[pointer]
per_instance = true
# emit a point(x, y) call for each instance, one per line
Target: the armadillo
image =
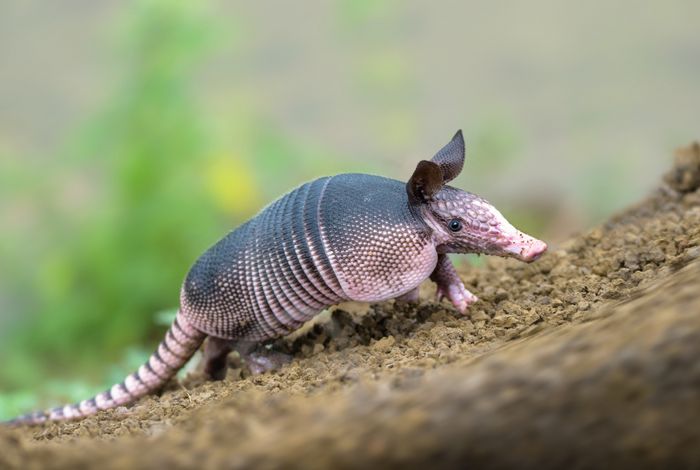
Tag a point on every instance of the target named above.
point(349, 237)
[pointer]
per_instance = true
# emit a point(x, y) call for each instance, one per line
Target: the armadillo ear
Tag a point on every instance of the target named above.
point(450, 158)
point(425, 182)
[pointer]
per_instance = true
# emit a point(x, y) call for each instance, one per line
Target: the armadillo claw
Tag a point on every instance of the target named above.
point(458, 295)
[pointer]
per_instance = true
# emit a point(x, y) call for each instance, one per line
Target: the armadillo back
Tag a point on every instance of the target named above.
point(379, 246)
point(333, 239)
point(268, 276)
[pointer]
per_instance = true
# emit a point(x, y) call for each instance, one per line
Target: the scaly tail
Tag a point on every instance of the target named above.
point(181, 342)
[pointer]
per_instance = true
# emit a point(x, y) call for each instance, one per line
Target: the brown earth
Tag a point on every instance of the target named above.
point(588, 357)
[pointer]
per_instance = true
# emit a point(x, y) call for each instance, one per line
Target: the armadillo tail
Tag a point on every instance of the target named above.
point(181, 342)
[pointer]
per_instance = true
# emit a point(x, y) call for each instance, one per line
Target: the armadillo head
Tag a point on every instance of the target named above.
point(463, 222)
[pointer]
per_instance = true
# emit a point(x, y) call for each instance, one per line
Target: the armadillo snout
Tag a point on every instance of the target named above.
point(526, 248)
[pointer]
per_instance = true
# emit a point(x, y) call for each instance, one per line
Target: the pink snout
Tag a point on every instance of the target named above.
point(534, 250)
point(526, 248)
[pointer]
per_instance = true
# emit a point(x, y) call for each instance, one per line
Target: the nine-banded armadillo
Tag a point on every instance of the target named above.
point(346, 237)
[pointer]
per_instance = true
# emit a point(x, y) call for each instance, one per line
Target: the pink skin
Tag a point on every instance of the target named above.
point(458, 295)
point(450, 286)
point(483, 230)
point(525, 248)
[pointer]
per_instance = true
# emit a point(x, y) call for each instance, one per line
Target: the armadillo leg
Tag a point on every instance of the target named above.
point(259, 358)
point(216, 351)
point(450, 286)
point(411, 297)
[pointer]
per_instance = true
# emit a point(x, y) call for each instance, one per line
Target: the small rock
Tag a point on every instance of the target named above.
point(531, 317)
point(631, 261)
point(501, 295)
point(656, 255)
point(466, 326)
point(506, 321)
point(685, 175)
point(385, 344)
point(479, 315)
point(557, 303)
point(692, 253)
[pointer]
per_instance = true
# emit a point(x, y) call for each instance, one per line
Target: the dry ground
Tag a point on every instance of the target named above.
point(587, 357)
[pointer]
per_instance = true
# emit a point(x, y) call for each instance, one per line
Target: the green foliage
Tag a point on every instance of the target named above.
point(145, 215)
point(119, 217)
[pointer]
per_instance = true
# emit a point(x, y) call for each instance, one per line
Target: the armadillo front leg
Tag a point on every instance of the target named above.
point(450, 285)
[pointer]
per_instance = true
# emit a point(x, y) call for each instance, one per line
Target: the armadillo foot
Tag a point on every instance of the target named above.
point(450, 285)
point(264, 360)
point(258, 358)
point(458, 295)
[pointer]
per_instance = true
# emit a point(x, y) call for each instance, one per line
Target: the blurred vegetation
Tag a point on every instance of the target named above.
point(146, 211)
point(144, 189)
point(150, 182)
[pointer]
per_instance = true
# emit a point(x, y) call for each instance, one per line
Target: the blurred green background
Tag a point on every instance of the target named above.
point(134, 134)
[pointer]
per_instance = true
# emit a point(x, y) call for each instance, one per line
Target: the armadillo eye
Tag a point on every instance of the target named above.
point(455, 225)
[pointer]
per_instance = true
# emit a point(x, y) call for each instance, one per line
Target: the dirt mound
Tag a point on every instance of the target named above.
point(519, 381)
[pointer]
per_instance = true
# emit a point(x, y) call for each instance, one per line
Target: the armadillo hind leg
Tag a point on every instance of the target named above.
point(215, 361)
point(411, 297)
point(179, 345)
point(450, 286)
point(262, 359)
point(258, 357)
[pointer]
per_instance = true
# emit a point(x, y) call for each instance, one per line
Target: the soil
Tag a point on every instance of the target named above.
point(587, 357)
